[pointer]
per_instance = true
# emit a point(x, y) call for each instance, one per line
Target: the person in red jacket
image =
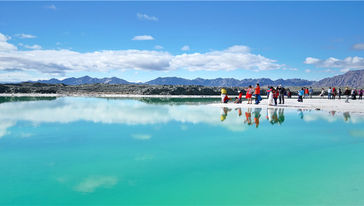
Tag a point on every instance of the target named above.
point(306, 92)
point(275, 96)
point(257, 94)
point(240, 98)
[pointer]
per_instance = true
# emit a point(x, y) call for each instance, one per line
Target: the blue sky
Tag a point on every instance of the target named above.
point(309, 40)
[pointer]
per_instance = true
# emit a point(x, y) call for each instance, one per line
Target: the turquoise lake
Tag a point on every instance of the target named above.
point(150, 151)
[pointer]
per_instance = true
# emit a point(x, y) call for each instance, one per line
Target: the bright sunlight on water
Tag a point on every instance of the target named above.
point(73, 150)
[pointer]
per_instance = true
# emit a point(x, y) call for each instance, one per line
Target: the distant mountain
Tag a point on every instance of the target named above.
point(350, 78)
point(85, 80)
point(227, 82)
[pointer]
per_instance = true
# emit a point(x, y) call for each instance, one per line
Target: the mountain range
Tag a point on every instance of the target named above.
point(351, 78)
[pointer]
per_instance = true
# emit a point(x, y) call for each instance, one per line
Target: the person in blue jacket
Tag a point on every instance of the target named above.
point(300, 95)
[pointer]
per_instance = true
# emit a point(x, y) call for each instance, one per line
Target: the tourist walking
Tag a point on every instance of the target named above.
point(329, 93)
point(249, 93)
point(281, 91)
point(310, 92)
point(258, 98)
point(300, 95)
point(347, 94)
point(322, 94)
point(340, 93)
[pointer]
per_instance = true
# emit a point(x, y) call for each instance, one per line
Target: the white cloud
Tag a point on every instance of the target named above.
point(146, 17)
point(359, 46)
point(236, 57)
point(158, 47)
point(90, 184)
point(143, 38)
point(343, 64)
point(4, 45)
point(25, 36)
point(185, 48)
point(52, 7)
point(66, 61)
point(308, 70)
point(141, 136)
point(35, 46)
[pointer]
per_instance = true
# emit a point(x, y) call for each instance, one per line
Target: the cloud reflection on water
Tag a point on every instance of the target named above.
point(132, 112)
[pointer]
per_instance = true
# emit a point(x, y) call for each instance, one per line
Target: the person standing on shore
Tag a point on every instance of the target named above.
point(333, 93)
point(289, 94)
point(240, 98)
point(347, 94)
point(224, 96)
point(300, 95)
point(305, 92)
point(329, 93)
point(353, 94)
point(257, 94)
point(275, 96)
point(310, 92)
point(249, 93)
point(361, 94)
point(281, 91)
point(340, 93)
point(322, 94)
point(270, 96)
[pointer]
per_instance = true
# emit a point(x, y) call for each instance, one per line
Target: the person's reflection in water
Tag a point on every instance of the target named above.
point(346, 116)
point(300, 113)
point(224, 112)
point(257, 116)
point(239, 111)
point(332, 113)
point(280, 115)
point(272, 115)
point(248, 116)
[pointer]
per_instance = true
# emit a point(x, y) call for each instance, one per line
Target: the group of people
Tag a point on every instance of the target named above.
point(332, 92)
point(250, 91)
point(304, 92)
point(275, 94)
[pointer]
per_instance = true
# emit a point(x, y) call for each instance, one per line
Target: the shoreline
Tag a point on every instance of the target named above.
point(339, 105)
point(106, 95)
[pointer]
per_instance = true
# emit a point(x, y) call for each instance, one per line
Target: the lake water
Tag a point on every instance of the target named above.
point(58, 151)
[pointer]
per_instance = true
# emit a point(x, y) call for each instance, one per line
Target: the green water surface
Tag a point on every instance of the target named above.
point(95, 151)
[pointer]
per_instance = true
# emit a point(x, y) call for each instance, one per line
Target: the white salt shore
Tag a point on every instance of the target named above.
point(354, 106)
